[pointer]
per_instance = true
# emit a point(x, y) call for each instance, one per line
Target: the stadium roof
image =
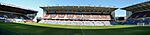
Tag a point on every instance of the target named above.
point(144, 6)
point(80, 8)
point(9, 8)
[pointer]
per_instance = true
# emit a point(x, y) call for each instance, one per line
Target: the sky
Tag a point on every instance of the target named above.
point(36, 4)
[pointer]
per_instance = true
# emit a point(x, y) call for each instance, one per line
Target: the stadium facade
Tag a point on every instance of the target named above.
point(78, 15)
point(140, 13)
point(12, 13)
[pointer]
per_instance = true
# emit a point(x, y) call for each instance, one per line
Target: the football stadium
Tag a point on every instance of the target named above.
point(74, 20)
point(140, 14)
point(78, 15)
point(10, 13)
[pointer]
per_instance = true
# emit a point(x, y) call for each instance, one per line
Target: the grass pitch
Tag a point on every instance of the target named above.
point(79, 27)
point(49, 29)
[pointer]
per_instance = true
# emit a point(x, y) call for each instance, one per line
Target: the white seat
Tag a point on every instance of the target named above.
point(77, 23)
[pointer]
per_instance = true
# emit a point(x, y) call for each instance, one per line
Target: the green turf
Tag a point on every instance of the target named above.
point(79, 27)
point(46, 29)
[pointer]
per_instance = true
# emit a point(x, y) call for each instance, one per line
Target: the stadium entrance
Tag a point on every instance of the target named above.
point(78, 15)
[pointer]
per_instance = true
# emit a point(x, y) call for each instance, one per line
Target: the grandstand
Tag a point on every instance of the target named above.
point(78, 15)
point(15, 14)
point(141, 13)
